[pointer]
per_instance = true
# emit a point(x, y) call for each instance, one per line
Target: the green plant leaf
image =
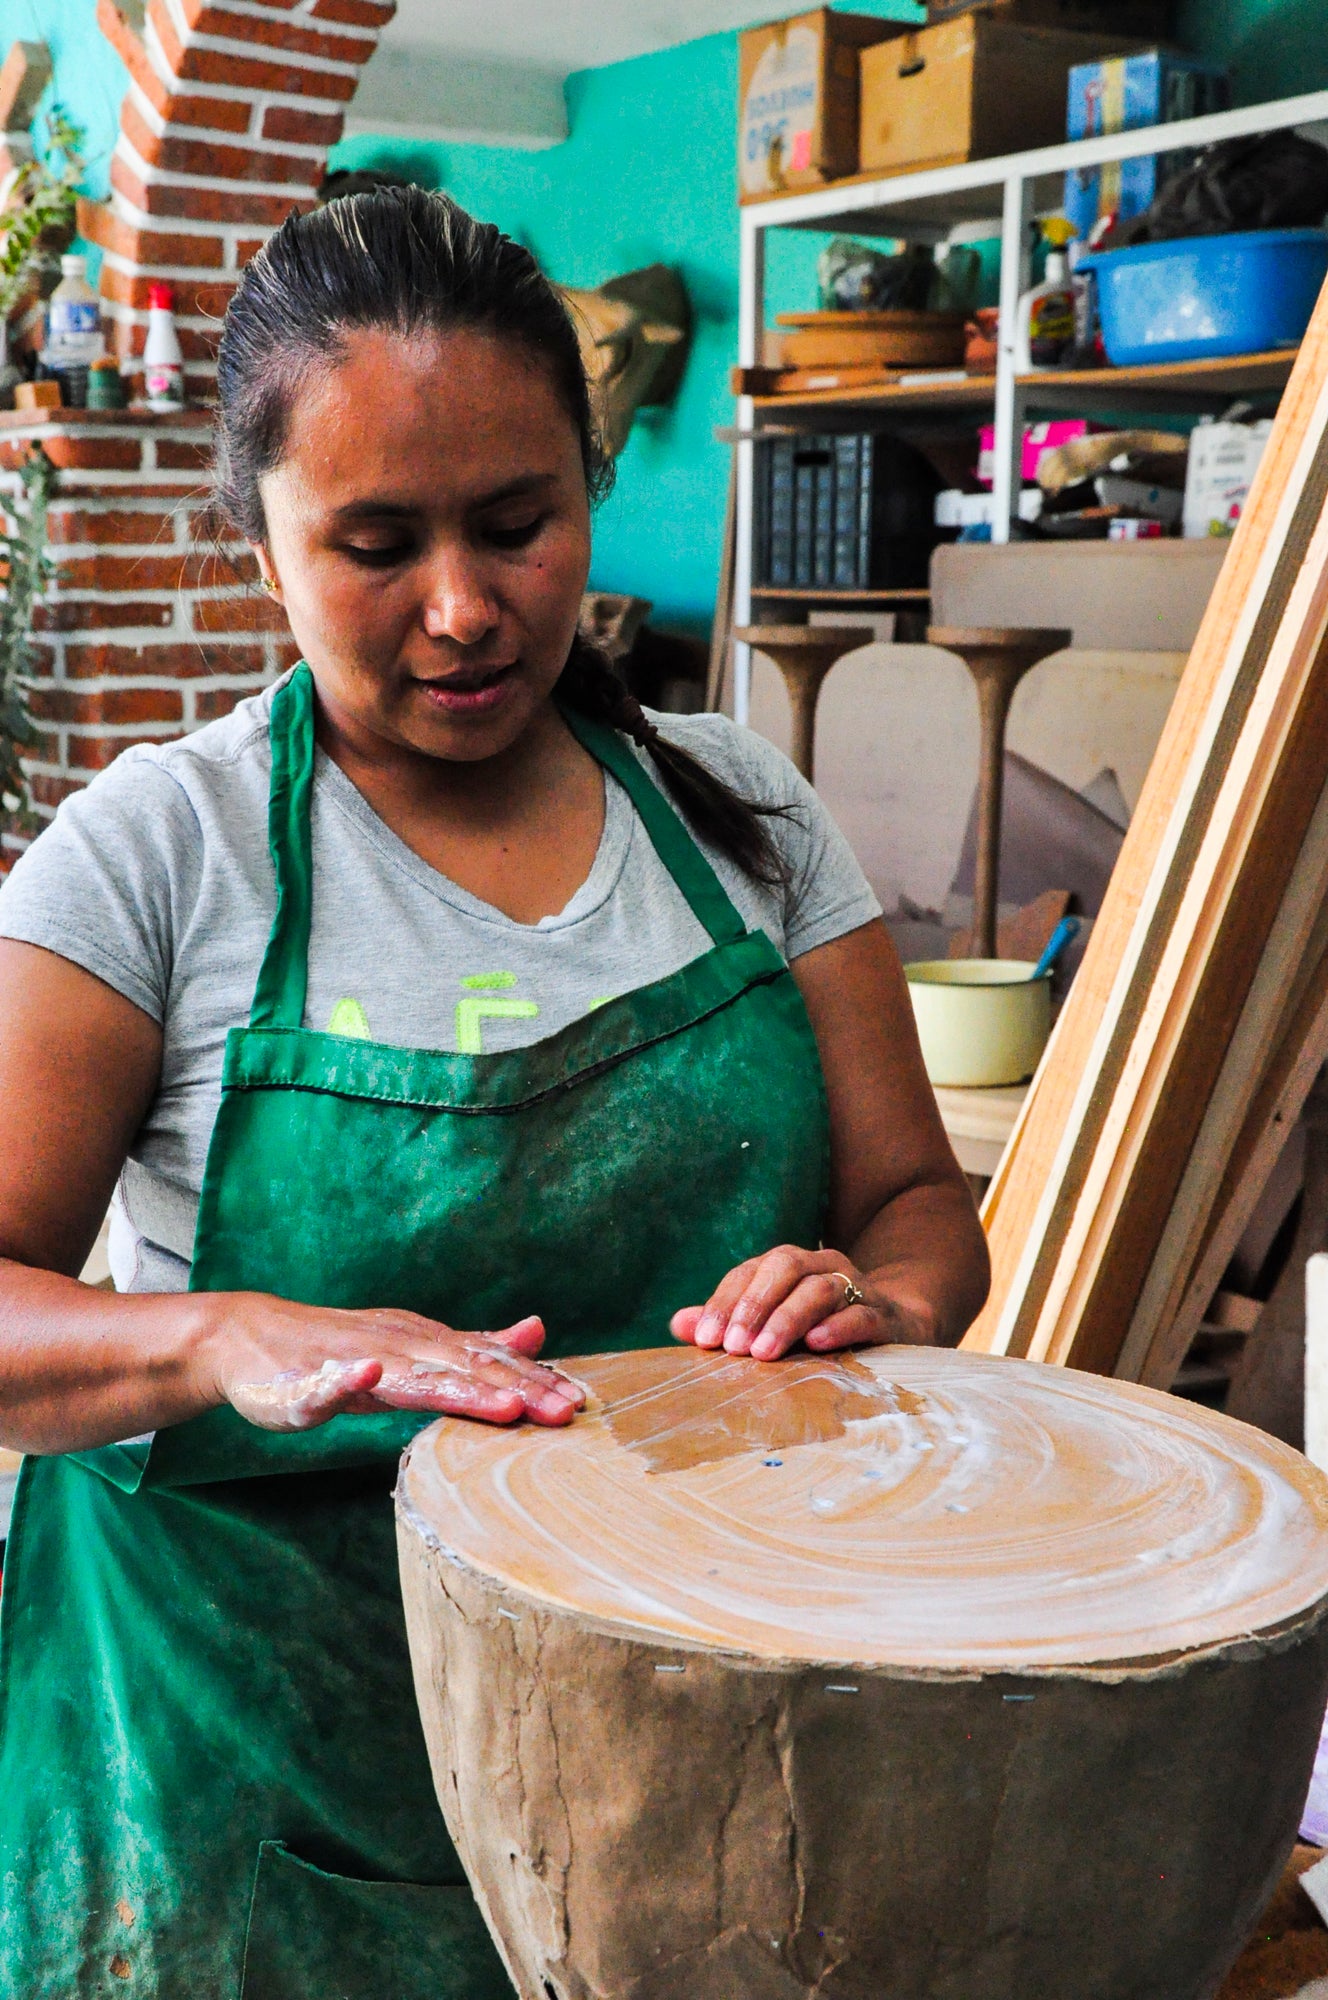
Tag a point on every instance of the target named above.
point(29, 572)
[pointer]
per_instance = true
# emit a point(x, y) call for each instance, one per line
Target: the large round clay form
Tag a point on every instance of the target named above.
point(914, 1676)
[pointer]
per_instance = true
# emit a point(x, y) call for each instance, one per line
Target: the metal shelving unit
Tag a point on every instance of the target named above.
point(928, 207)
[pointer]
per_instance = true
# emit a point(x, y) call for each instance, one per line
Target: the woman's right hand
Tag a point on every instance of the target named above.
point(289, 1367)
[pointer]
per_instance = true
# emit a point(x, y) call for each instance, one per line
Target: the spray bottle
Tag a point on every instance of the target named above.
point(1044, 333)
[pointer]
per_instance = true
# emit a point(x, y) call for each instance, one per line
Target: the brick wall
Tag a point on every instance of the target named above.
point(225, 129)
point(148, 632)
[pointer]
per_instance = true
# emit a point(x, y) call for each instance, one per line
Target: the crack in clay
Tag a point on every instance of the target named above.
point(830, 1971)
point(725, 1406)
point(563, 1868)
point(782, 1743)
point(727, 1811)
point(523, 1715)
point(750, 1731)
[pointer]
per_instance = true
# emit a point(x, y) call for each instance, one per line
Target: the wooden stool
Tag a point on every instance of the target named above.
point(804, 655)
point(998, 659)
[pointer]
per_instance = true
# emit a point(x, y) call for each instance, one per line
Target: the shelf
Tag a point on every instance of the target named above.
point(63, 418)
point(1182, 386)
point(942, 202)
point(783, 594)
point(975, 392)
point(1186, 387)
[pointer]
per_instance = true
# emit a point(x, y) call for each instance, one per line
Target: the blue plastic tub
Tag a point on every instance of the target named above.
point(1205, 296)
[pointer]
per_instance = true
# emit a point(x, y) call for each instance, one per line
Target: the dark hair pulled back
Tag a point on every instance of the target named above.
point(405, 260)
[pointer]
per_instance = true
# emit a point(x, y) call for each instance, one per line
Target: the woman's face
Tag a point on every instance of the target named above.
point(428, 531)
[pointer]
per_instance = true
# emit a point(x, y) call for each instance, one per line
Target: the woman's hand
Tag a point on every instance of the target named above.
point(288, 1367)
point(767, 1305)
point(899, 1203)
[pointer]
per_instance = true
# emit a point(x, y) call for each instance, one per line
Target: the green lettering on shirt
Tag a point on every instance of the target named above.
point(349, 1018)
point(471, 1011)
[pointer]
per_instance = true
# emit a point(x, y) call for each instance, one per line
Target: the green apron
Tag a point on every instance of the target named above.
point(213, 1781)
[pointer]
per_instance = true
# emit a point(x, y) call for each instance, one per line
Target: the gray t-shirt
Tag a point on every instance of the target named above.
point(157, 879)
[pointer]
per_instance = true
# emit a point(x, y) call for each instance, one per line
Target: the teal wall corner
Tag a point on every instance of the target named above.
point(1273, 48)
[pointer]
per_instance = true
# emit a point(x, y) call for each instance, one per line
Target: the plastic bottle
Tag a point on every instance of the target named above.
point(74, 338)
point(1045, 330)
point(1088, 349)
point(73, 320)
point(163, 363)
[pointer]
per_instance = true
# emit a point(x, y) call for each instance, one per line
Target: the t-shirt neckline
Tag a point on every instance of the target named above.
point(331, 783)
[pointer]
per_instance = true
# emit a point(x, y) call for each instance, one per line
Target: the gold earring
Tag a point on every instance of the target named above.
point(269, 584)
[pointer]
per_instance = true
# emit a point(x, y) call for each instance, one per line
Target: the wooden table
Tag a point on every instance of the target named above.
point(978, 1123)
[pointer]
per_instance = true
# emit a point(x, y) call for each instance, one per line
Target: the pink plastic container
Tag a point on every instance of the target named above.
point(1037, 439)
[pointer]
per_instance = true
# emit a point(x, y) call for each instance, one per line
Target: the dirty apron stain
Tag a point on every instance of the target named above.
point(213, 1781)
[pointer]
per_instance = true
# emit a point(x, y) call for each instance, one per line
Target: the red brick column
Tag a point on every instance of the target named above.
point(224, 130)
point(149, 632)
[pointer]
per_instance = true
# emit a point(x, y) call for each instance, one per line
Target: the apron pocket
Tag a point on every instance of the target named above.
point(314, 1936)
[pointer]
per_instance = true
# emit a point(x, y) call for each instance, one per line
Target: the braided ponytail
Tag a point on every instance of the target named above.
point(715, 811)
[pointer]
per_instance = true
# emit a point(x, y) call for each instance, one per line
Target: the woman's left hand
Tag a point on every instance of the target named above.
point(769, 1304)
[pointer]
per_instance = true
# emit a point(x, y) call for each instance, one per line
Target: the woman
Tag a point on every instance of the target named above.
point(524, 1052)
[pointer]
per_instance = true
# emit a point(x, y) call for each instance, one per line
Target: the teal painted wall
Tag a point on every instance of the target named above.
point(89, 77)
point(630, 186)
point(648, 175)
point(1274, 48)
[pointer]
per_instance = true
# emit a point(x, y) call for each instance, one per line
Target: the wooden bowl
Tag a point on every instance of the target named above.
point(909, 1676)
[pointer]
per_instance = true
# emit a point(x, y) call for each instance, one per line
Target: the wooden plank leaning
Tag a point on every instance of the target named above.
point(1199, 959)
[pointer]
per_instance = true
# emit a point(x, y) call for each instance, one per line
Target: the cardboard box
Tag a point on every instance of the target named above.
point(1147, 19)
point(798, 100)
point(1120, 94)
point(1223, 461)
point(968, 90)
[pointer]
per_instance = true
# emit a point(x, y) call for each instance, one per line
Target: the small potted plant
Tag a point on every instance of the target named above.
point(37, 220)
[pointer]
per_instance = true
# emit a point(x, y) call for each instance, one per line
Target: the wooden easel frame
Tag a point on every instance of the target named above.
point(1200, 1010)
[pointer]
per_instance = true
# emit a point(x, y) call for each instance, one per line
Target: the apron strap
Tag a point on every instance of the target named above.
point(280, 993)
point(709, 901)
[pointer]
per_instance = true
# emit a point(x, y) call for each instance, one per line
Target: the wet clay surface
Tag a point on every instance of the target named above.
point(682, 1418)
point(901, 1507)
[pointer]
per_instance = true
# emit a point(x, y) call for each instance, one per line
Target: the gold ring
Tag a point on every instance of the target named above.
point(852, 1295)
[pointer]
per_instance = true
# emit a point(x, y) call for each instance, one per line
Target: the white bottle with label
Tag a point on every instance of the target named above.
point(163, 363)
point(74, 337)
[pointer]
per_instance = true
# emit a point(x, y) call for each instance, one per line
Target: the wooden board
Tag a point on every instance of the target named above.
point(1208, 872)
point(866, 347)
point(682, 1665)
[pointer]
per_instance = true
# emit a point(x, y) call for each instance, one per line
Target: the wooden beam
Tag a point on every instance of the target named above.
point(1078, 1212)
